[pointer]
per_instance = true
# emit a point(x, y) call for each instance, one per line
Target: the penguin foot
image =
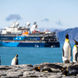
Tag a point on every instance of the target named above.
point(67, 61)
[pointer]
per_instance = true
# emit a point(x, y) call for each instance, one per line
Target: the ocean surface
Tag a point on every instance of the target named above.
point(30, 55)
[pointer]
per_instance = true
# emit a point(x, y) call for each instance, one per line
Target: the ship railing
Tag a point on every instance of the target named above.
point(38, 41)
point(38, 34)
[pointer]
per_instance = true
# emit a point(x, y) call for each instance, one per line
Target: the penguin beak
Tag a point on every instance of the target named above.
point(74, 40)
point(76, 43)
point(16, 55)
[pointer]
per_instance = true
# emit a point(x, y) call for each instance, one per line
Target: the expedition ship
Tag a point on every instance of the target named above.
point(15, 36)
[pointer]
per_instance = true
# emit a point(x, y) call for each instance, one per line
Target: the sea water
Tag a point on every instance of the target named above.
point(30, 55)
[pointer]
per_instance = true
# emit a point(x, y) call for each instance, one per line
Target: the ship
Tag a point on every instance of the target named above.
point(15, 36)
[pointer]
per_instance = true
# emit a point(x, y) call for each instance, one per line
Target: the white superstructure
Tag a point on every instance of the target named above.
point(13, 29)
point(16, 29)
point(34, 27)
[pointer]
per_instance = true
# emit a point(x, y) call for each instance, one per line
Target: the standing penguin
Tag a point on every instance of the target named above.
point(66, 50)
point(15, 60)
point(75, 52)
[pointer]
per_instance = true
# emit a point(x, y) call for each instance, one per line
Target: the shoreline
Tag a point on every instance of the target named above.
point(43, 70)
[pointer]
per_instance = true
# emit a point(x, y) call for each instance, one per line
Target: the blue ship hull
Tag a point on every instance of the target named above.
point(20, 44)
point(28, 44)
point(29, 41)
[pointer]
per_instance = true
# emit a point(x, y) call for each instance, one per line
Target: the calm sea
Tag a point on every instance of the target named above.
point(30, 55)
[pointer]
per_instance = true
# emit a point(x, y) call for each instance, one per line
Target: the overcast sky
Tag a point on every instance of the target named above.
point(59, 14)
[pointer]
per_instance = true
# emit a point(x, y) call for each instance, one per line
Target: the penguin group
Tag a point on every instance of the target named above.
point(66, 55)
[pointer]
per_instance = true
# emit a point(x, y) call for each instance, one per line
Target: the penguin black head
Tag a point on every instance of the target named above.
point(35, 23)
point(16, 55)
point(67, 36)
point(76, 43)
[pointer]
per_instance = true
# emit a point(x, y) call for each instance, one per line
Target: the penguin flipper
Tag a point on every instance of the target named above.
point(16, 61)
point(76, 57)
point(70, 51)
point(63, 51)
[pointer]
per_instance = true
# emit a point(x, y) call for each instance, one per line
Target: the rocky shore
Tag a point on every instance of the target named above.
point(44, 70)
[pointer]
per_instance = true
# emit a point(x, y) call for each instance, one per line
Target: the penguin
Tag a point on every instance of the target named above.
point(75, 52)
point(42, 69)
point(15, 60)
point(66, 57)
point(46, 69)
point(37, 68)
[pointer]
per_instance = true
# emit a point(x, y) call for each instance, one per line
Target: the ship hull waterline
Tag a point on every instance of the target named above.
point(29, 44)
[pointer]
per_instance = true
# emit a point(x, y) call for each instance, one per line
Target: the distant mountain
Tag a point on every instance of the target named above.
point(73, 34)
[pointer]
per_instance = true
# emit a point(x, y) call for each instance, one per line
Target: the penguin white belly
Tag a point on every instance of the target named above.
point(74, 54)
point(67, 51)
point(13, 61)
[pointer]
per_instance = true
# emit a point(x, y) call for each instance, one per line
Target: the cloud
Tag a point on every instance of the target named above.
point(45, 20)
point(13, 17)
point(59, 23)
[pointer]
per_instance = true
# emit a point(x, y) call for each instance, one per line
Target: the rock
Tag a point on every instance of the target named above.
point(55, 76)
point(68, 77)
point(45, 70)
point(27, 73)
point(70, 70)
point(2, 73)
point(14, 74)
point(31, 74)
point(4, 68)
point(8, 77)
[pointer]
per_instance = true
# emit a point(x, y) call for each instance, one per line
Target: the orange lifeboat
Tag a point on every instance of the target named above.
point(25, 33)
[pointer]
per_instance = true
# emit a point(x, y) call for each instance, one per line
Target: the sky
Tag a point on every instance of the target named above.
point(56, 14)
